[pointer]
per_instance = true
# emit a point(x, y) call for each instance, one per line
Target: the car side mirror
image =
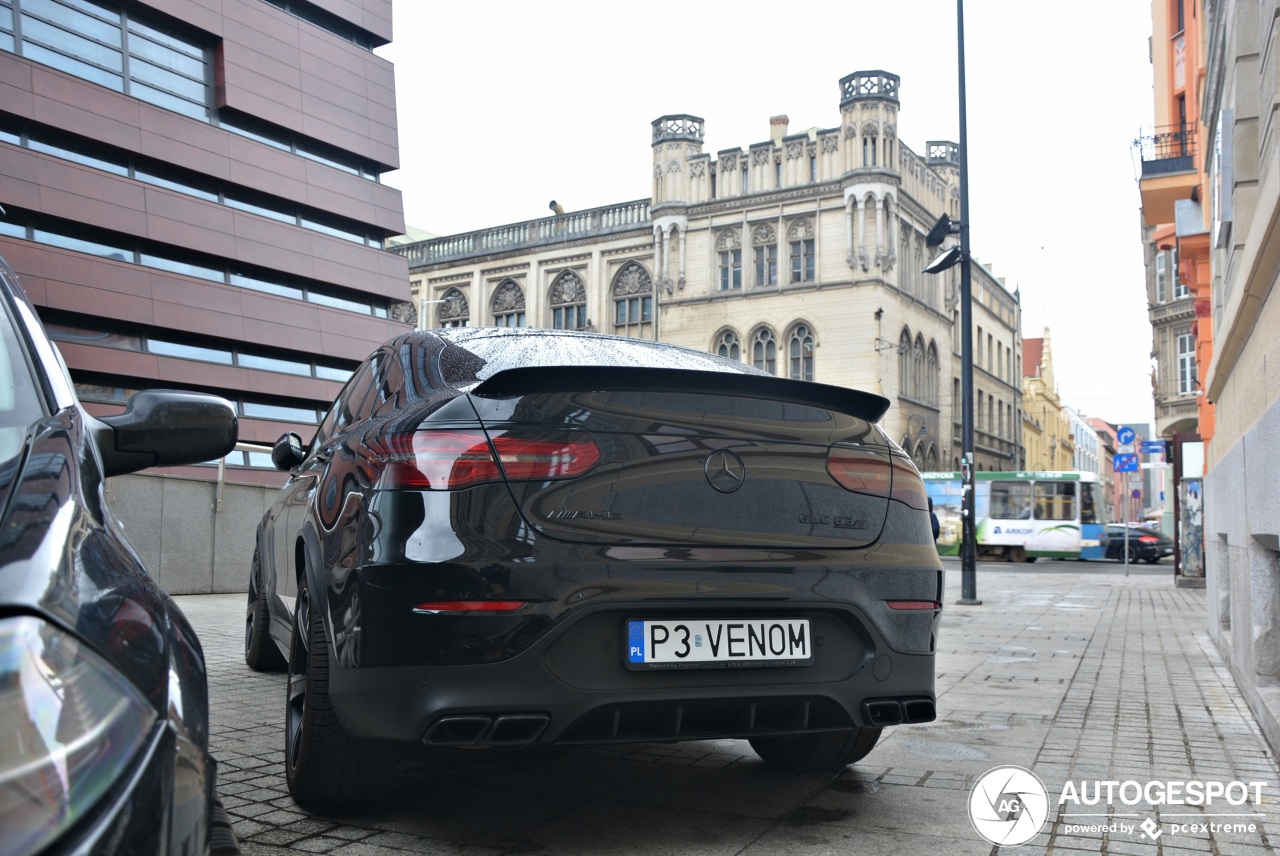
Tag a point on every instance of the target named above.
point(288, 452)
point(165, 428)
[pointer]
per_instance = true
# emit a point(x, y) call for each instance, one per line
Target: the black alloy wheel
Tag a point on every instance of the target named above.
point(260, 650)
point(828, 750)
point(1133, 554)
point(324, 766)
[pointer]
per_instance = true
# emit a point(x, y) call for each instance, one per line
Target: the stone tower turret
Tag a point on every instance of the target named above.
point(678, 171)
point(944, 157)
point(869, 117)
point(869, 165)
point(681, 177)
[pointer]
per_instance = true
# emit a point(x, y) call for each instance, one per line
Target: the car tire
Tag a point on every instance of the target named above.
point(260, 650)
point(324, 766)
point(1133, 554)
point(826, 751)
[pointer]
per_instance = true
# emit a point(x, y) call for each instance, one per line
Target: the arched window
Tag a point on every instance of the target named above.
point(453, 310)
point(800, 352)
point(870, 143)
point(568, 302)
point(729, 246)
point(904, 364)
point(764, 350)
point(800, 236)
point(932, 373)
point(918, 382)
point(764, 242)
point(727, 345)
point(508, 305)
point(632, 300)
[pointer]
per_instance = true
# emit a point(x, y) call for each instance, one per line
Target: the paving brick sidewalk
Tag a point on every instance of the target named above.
point(1077, 676)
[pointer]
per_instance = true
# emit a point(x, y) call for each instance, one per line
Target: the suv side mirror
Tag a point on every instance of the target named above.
point(165, 428)
point(287, 453)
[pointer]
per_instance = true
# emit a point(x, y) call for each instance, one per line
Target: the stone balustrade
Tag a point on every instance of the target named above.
point(592, 222)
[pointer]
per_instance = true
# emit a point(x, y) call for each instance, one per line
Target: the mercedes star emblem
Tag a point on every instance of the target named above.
point(725, 471)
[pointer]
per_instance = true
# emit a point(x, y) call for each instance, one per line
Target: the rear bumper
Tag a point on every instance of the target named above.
point(571, 686)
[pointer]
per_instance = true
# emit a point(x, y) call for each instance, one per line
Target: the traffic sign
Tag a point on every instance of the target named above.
point(1125, 463)
point(1137, 494)
point(1125, 435)
point(1153, 447)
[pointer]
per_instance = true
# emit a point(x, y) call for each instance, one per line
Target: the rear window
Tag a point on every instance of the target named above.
point(477, 356)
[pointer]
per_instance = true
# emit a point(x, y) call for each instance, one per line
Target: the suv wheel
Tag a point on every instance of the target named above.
point(323, 765)
point(260, 650)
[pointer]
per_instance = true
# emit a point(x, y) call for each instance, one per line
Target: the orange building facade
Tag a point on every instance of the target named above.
point(1176, 234)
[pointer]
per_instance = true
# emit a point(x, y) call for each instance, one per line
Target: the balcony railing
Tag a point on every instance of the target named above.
point(623, 217)
point(1167, 149)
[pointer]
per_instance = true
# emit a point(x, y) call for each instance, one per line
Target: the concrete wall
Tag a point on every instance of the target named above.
point(1242, 561)
point(189, 546)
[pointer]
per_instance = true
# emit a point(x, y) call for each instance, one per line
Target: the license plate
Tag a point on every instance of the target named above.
point(711, 644)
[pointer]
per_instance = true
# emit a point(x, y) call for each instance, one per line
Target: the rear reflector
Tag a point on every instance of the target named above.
point(877, 473)
point(437, 606)
point(913, 604)
point(451, 460)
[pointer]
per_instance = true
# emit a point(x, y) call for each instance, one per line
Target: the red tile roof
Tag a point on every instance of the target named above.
point(1032, 351)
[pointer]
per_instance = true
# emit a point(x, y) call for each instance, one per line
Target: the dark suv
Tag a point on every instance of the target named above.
point(104, 720)
point(506, 537)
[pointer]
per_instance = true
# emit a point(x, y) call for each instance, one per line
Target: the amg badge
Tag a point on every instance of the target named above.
point(837, 521)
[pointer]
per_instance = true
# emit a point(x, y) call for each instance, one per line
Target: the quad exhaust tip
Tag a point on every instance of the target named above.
point(509, 729)
point(887, 711)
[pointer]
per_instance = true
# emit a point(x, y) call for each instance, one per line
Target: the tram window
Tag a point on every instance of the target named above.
point(1055, 501)
point(1010, 500)
point(1088, 507)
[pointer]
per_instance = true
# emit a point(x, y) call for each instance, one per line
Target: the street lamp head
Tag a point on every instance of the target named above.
point(939, 232)
point(947, 259)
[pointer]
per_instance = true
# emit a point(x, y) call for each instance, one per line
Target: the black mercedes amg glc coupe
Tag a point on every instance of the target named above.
point(504, 537)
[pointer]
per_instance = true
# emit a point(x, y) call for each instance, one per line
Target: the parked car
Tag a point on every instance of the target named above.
point(1145, 543)
point(104, 726)
point(504, 537)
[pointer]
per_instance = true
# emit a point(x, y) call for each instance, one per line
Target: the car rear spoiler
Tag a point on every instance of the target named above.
point(521, 381)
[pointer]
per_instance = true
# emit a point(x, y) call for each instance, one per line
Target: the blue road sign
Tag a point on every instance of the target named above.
point(1152, 447)
point(1126, 436)
point(1126, 463)
point(1137, 494)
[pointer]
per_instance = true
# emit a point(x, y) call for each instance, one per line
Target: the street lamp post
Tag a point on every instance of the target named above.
point(968, 544)
point(945, 260)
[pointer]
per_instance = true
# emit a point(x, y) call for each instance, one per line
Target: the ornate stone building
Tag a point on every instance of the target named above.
point(801, 255)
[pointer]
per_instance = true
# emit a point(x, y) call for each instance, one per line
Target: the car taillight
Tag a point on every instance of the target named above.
point(913, 604)
point(436, 607)
point(451, 460)
point(1147, 539)
point(877, 474)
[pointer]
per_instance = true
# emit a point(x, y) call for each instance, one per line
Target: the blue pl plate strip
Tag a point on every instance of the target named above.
point(635, 641)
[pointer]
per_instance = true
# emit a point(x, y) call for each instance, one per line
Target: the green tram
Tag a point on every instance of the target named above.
point(1022, 516)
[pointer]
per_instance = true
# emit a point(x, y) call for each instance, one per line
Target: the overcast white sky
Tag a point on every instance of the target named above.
point(504, 106)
